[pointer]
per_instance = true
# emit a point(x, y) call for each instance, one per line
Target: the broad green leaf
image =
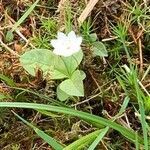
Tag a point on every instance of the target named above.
point(78, 74)
point(74, 85)
point(99, 49)
point(55, 74)
point(42, 59)
point(56, 66)
point(67, 65)
point(93, 37)
point(73, 88)
point(95, 120)
point(62, 96)
point(51, 141)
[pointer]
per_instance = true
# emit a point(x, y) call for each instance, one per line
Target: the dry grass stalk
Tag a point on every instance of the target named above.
point(9, 49)
point(87, 11)
point(61, 5)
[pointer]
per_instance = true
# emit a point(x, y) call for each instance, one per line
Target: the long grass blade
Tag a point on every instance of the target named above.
point(128, 133)
point(99, 138)
point(51, 141)
point(25, 15)
point(142, 111)
point(83, 141)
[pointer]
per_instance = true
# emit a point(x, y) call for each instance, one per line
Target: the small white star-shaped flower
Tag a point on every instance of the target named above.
point(66, 45)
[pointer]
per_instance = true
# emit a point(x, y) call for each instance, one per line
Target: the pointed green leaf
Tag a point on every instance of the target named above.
point(98, 139)
point(95, 120)
point(99, 49)
point(83, 141)
point(25, 15)
point(7, 80)
point(55, 74)
point(51, 141)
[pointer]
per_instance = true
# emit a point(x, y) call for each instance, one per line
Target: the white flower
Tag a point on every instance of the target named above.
point(66, 45)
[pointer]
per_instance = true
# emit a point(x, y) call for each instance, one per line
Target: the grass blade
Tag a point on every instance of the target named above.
point(83, 141)
point(124, 105)
point(51, 100)
point(142, 112)
point(51, 141)
point(99, 138)
point(130, 134)
point(25, 15)
point(136, 143)
point(8, 81)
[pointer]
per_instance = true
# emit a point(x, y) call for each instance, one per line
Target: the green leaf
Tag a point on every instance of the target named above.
point(2, 96)
point(98, 139)
point(58, 67)
point(74, 85)
point(62, 96)
point(65, 66)
point(95, 120)
point(83, 141)
point(8, 81)
point(72, 88)
point(124, 105)
point(9, 36)
point(80, 74)
point(51, 141)
point(48, 113)
point(55, 74)
point(25, 15)
point(147, 103)
point(99, 49)
point(38, 59)
point(93, 37)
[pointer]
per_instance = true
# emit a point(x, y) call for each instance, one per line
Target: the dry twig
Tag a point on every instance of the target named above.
point(87, 11)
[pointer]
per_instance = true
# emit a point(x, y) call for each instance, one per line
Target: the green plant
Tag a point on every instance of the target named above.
point(97, 47)
point(130, 78)
point(120, 31)
point(57, 66)
point(138, 13)
point(95, 120)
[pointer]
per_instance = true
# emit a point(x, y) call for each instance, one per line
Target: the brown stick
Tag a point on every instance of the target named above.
point(87, 10)
point(140, 55)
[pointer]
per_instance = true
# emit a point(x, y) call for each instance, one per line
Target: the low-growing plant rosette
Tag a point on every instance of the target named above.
point(60, 63)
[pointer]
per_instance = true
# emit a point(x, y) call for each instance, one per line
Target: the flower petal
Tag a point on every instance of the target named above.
point(61, 35)
point(66, 45)
point(72, 35)
point(54, 43)
point(79, 40)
